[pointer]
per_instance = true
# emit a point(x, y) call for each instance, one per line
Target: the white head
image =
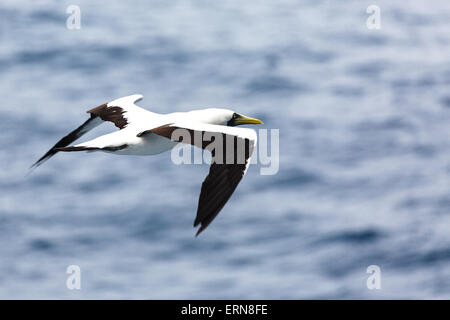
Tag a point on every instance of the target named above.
point(224, 117)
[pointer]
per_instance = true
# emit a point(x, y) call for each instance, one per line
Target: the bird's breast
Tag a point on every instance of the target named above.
point(147, 145)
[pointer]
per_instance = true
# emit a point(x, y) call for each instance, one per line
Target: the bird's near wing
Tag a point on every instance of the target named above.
point(231, 150)
point(121, 112)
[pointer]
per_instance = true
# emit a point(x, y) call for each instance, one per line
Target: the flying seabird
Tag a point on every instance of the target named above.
point(142, 132)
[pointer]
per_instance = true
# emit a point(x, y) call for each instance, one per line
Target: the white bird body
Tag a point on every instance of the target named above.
point(143, 132)
point(142, 120)
point(138, 146)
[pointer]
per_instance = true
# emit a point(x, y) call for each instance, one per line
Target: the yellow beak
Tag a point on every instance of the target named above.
point(247, 120)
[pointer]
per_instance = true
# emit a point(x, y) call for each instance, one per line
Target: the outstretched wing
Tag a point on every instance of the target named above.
point(231, 151)
point(121, 112)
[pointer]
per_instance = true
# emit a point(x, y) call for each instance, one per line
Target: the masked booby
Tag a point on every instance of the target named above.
point(142, 132)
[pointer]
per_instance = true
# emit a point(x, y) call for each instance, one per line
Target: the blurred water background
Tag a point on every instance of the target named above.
point(364, 150)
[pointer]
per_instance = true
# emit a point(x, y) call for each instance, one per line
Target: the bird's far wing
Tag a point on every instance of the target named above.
point(229, 163)
point(120, 111)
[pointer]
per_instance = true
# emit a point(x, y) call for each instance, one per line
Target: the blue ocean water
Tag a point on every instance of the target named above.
point(364, 150)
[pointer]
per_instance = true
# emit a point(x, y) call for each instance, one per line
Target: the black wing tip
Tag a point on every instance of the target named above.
point(44, 158)
point(64, 142)
point(203, 224)
point(35, 165)
point(203, 227)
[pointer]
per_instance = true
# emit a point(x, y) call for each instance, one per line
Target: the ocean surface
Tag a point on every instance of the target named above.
point(364, 173)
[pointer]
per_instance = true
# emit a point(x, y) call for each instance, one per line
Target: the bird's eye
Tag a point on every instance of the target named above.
point(234, 116)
